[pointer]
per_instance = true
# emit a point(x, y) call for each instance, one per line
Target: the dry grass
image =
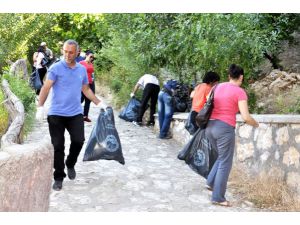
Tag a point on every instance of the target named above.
point(265, 191)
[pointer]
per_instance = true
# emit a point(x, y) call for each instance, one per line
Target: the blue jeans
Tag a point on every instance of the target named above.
point(222, 137)
point(165, 113)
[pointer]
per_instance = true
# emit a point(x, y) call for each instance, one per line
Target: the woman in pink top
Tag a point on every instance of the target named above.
point(229, 99)
point(88, 64)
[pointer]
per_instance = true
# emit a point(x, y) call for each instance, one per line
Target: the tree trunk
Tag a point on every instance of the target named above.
point(273, 60)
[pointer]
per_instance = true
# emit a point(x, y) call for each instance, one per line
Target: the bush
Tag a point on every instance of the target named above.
point(252, 100)
point(3, 115)
point(27, 96)
point(121, 81)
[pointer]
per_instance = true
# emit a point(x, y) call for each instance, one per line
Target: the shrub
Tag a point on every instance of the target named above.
point(3, 115)
point(252, 102)
point(121, 81)
point(287, 102)
point(22, 90)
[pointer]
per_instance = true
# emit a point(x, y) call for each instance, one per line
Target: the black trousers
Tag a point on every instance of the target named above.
point(87, 102)
point(57, 127)
point(150, 92)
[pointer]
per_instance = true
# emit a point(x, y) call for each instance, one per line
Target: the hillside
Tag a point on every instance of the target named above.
point(278, 92)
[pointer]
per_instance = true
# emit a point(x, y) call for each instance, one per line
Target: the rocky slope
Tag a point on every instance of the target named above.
point(278, 92)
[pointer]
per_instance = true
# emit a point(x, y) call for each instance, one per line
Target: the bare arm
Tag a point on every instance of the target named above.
point(44, 92)
point(192, 94)
point(34, 57)
point(243, 107)
point(89, 94)
point(136, 87)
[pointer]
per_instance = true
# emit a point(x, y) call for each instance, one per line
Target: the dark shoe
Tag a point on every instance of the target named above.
point(86, 119)
point(150, 124)
point(137, 123)
point(71, 173)
point(57, 186)
point(166, 137)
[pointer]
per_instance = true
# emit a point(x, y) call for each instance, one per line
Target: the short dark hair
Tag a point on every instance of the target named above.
point(41, 48)
point(211, 77)
point(88, 52)
point(235, 71)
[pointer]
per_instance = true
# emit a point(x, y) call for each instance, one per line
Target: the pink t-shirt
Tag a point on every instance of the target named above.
point(226, 100)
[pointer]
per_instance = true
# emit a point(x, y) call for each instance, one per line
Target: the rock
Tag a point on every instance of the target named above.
point(282, 135)
point(244, 151)
point(275, 86)
point(291, 157)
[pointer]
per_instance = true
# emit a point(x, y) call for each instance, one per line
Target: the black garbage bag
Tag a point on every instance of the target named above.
point(199, 154)
point(35, 81)
point(104, 141)
point(182, 98)
point(130, 112)
point(189, 125)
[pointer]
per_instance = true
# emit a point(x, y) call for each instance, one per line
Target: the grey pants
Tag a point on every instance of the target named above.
point(222, 137)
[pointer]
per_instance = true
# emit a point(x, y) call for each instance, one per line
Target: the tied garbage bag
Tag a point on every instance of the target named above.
point(104, 142)
point(199, 154)
point(130, 112)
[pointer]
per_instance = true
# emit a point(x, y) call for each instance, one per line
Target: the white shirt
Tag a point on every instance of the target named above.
point(39, 58)
point(146, 79)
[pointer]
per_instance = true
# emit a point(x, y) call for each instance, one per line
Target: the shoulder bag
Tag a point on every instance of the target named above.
point(205, 113)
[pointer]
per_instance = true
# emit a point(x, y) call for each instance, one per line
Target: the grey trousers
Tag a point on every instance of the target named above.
point(222, 137)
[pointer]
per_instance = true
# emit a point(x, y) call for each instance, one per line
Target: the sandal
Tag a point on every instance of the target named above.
point(208, 187)
point(225, 203)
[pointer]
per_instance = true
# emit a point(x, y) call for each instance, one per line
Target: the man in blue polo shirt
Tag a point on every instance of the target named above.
point(67, 79)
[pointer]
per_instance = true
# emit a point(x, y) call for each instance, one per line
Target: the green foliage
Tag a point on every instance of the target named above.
point(27, 96)
point(3, 115)
point(287, 103)
point(128, 45)
point(295, 109)
point(253, 108)
point(188, 45)
point(21, 34)
point(21, 89)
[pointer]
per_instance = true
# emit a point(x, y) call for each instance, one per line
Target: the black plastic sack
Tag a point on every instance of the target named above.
point(35, 81)
point(130, 112)
point(199, 154)
point(104, 141)
point(189, 125)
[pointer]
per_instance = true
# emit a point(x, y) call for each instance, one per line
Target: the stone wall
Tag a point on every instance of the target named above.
point(25, 177)
point(25, 169)
point(273, 148)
